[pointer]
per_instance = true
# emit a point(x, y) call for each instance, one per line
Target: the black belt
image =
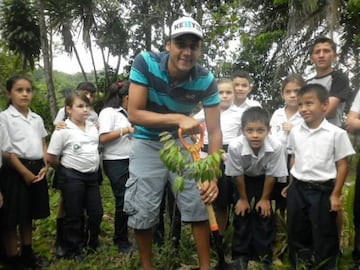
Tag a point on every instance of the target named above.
point(30, 161)
point(325, 186)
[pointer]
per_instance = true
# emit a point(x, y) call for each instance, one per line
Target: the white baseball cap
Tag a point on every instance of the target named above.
point(185, 25)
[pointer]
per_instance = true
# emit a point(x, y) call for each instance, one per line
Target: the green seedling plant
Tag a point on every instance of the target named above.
point(178, 161)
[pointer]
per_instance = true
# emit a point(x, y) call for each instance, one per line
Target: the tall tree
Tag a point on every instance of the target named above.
point(47, 57)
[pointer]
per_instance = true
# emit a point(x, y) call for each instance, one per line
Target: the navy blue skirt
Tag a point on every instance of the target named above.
point(23, 202)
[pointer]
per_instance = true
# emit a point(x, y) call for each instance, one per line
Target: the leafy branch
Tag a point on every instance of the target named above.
point(178, 161)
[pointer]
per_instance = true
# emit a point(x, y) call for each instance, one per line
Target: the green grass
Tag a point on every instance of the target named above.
point(107, 257)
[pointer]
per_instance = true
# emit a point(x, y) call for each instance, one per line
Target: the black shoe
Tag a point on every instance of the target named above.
point(32, 261)
point(13, 263)
point(125, 247)
point(240, 263)
point(60, 252)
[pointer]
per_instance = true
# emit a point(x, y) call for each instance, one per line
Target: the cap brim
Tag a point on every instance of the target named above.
point(183, 34)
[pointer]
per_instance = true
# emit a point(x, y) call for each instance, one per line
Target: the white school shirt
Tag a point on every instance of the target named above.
point(230, 121)
point(317, 150)
point(5, 145)
point(26, 133)
point(78, 149)
point(93, 117)
point(270, 160)
point(247, 104)
point(278, 118)
point(111, 119)
point(355, 106)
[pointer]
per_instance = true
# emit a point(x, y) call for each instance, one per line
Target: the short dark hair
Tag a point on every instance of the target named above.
point(294, 78)
point(255, 114)
point(323, 40)
point(320, 91)
point(86, 86)
point(241, 73)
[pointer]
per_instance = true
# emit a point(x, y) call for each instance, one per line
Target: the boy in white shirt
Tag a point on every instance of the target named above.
point(319, 168)
point(254, 160)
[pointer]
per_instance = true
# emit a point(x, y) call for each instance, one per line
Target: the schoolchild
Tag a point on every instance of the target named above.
point(319, 168)
point(323, 55)
point(23, 184)
point(77, 144)
point(230, 120)
point(353, 126)
point(281, 122)
point(242, 82)
point(115, 134)
point(254, 160)
point(89, 90)
point(165, 88)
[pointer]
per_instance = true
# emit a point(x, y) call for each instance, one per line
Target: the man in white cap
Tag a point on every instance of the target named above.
point(165, 88)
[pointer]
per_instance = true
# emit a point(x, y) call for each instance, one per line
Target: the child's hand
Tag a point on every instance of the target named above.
point(242, 207)
point(60, 125)
point(284, 191)
point(287, 126)
point(335, 203)
point(264, 206)
point(40, 175)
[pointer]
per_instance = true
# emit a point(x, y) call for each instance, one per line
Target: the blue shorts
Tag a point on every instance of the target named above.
point(146, 185)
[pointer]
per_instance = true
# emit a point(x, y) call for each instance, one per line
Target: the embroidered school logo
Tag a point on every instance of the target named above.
point(76, 147)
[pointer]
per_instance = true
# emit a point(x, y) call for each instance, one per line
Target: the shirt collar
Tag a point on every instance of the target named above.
point(14, 112)
point(324, 125)
point(265, 148)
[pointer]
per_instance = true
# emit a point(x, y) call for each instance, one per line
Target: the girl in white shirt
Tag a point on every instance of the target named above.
point(77, 144)
point(115, 133)
point(23, 184)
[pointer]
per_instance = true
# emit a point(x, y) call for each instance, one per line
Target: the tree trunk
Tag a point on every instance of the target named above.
point(47, 61)
point(80, 64)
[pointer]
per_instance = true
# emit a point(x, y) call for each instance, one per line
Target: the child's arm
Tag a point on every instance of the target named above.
point(1, 200)
point(342, 171)
point(242, 205)
point(353, 122)
point(284, 191)
point(53, 160)
point(16, 164)
point(115, 134)
point(264, 204)
point(42, 173)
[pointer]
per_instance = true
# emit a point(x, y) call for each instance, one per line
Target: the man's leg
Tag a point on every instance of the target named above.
point(144, 242)
point(201, 232)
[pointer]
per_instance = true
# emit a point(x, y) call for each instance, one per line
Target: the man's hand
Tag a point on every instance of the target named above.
point(264, 206)
point(242, 207)
point(208, 191)
point(189, 125)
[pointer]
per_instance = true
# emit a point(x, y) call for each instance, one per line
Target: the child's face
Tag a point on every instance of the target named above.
point(311, 109)
point(79, 111)
point(242, 88)
point(255, 133)
point(21, 95)
point(289, 94)
point(226, 93)
point(323, 56)
point(90, 96)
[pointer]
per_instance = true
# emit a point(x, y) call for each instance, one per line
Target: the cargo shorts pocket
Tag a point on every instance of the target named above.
point(130, 194)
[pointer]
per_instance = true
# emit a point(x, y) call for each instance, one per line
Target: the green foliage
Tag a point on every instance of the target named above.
point(21, 31)
point(177, 161)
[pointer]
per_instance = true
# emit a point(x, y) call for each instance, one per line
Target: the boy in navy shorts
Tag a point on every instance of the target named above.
point(254, 159)
point(319, 168)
